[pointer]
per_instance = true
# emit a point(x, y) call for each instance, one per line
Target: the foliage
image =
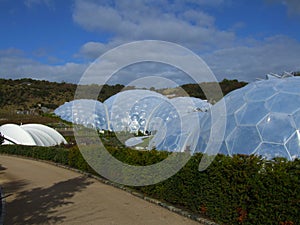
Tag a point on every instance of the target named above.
point(1, 139)
point(25, 94)
point(233, 190)
point(297, 73)
point(194, 90)
point(28, 94)
point(32, 101)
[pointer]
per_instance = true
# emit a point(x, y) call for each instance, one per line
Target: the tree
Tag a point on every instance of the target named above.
point(1, 139)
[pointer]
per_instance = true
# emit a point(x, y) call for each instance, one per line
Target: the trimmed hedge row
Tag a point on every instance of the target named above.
point(233, 190)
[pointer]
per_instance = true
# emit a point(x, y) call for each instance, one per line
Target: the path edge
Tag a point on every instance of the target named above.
point(167, 206)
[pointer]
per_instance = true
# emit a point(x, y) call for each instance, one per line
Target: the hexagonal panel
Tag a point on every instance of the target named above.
point(170, 139)
point(223, 149)
point(131, 105)
point(290, 85)
point(134, 126)
point(230, 124)
point(283, 103)
point(293, 145)
point(186, 105)
point(251, 113)
point(168, 116)
point(270, 151)
point(87, 112)
point(296, 118)
point(272, 106)
point(276, 128)
point(248, 87)
point(260, 94)
point(243, 140)
point(234, 101)
point(265, 84)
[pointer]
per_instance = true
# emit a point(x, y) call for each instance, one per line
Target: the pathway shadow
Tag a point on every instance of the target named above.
point(2, 170)
point(36, 206)
point(13, 186)
point(2, 167)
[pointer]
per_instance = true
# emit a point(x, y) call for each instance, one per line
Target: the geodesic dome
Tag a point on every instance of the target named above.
point(129, 110)
point(263, 118)
point(175, 124)
point(87, 112)
point(190, 104)
point(31, 134)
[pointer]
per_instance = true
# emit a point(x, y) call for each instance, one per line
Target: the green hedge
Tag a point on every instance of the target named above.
point(233, 190)
point(55, 154)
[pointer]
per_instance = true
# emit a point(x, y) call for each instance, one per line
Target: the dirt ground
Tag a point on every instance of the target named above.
point(40, 193)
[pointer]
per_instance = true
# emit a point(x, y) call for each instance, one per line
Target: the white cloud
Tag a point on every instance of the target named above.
point(32, 3)
point(198, 18)
point(15, 65)
point(11, 52)
point(111, 65)
point(293, 6)
point(187, 24)
point(93, 50)
point(275, 54)
point(160, 20)
point(150, 74)
point(253, 59)
point(211, 3)
point(96, 17)
point(208, 2)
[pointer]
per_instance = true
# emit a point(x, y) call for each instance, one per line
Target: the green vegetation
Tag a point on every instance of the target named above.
point(28, 94)
point(1, 139)
point(233, 190)
point(296, 73)
point(32, 101)
point(227, 86)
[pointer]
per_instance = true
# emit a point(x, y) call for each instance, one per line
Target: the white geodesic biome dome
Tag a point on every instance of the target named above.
point(175, 123)
point(190, 104)
point(87, 112)
point(31, 134)
point(263, 118)
point(129, 110)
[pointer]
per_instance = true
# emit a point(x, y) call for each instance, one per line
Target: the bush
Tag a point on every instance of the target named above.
point(1, 139)
point(233, 190)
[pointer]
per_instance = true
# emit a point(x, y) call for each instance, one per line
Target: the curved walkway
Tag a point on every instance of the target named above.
point(40, 193)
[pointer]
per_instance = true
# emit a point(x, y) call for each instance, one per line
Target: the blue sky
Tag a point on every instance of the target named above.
point(57, 40)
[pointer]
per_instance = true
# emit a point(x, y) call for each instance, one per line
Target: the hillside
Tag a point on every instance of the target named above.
point(28, 100)
point(25, 94)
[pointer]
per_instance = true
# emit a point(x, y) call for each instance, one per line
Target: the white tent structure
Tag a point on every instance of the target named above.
point(16, 135)
point(31, 134)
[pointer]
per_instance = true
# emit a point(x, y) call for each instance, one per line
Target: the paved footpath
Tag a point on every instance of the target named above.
point(40, 193)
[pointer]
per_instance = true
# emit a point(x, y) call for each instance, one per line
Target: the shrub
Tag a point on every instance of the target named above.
point(233, 190)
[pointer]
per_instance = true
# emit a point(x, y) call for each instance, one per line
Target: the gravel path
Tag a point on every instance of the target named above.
point(40, 193)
